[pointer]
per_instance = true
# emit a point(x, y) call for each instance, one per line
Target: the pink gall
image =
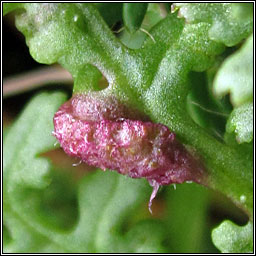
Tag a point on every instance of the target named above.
point(104, 133)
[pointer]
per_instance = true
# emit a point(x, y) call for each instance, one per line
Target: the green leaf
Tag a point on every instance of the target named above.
point(23, 238)
point(242, 11)
point(71, 34)
point(203, 107)
point(29, 136)
point(111, 13)
point(241, 122)
point(133, 15)
point(152, 17)
point(186, 218)
point(231, 238)
point(29, 141)
point(141, 242)
point(225, 19)
point(8, 7)
point(236, 75)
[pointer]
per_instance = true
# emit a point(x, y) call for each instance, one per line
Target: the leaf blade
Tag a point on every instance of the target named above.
point(231, 238)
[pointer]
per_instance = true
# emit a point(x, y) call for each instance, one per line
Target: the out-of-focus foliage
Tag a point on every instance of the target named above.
point(133, 15)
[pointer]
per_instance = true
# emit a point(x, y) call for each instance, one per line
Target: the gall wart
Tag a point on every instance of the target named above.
point(104, 133)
